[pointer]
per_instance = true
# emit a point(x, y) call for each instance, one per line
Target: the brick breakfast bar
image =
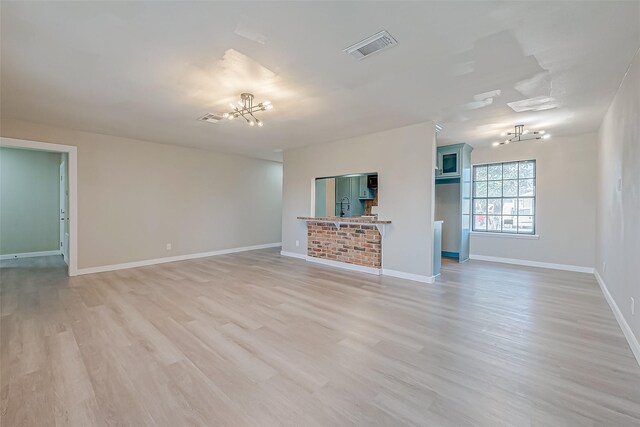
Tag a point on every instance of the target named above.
point(352, 240)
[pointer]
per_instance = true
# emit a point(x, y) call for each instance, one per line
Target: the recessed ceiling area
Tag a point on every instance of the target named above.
point(149, 70)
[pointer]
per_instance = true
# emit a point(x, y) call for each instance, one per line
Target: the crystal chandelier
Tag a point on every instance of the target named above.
point(245, 108)
point(520, 134)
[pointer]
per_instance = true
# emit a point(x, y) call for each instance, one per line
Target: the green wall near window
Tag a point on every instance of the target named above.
point(29, 201)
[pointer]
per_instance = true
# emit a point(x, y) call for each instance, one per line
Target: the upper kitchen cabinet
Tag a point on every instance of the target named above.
point(450, 160)
point(364, 190)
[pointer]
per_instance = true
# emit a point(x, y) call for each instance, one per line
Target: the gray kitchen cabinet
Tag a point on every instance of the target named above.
point(348, 202)
point(364, 192)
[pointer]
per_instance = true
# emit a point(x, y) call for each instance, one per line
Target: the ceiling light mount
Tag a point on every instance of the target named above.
point(520, 134)
point(245, 108)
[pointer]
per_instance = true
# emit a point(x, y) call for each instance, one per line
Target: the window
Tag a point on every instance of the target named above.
point(504, 197)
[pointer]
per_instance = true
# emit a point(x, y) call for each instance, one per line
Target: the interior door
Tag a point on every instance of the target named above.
point(64, 237)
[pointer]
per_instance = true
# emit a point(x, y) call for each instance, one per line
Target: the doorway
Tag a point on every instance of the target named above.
point(66, 231)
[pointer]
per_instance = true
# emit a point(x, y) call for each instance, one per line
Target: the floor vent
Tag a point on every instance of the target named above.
point(370, 45)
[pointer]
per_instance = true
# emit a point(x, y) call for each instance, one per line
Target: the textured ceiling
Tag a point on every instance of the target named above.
point(147, 70)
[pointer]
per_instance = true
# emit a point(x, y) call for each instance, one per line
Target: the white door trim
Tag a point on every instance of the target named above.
point(63, 211)
point(73, 187)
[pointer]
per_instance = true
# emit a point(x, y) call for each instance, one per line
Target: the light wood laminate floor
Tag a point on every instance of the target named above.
point(256, 339)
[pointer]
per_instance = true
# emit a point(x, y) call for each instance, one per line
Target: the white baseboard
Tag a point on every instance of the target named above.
point(360, 268)
point(30, 254)
point(408, 276)
point(515, 261)
point(626, 329)
point(144, 263)
point(293, 255)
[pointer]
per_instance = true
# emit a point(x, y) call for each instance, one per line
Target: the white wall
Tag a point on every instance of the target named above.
point(618, 217)
point(136, 196)
point(404, 160)
point(565, 202)
point(29, 201)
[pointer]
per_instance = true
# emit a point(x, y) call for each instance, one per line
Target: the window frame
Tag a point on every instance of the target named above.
point(517, 197)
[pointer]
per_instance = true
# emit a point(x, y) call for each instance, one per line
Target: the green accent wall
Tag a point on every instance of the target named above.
point(321, 197)
point(29, 201)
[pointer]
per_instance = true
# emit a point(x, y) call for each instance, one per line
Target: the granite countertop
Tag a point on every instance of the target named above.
point(354, 219)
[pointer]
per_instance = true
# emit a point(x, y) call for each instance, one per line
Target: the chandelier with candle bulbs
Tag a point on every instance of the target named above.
point(521, 134)
point(246, 109)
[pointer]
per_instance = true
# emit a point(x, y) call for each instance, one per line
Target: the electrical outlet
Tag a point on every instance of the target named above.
point(633, 306)
point(297, 242)
point(604, 267)
point(168, 246)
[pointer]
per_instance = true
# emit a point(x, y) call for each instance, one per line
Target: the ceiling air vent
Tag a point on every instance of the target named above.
point(211, 118)
point(375, 43)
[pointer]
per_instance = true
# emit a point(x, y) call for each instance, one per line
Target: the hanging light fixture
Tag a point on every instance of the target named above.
point(521, 134)
point(245, 109)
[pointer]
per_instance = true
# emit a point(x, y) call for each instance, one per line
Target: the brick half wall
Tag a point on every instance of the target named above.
point(359, 244)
